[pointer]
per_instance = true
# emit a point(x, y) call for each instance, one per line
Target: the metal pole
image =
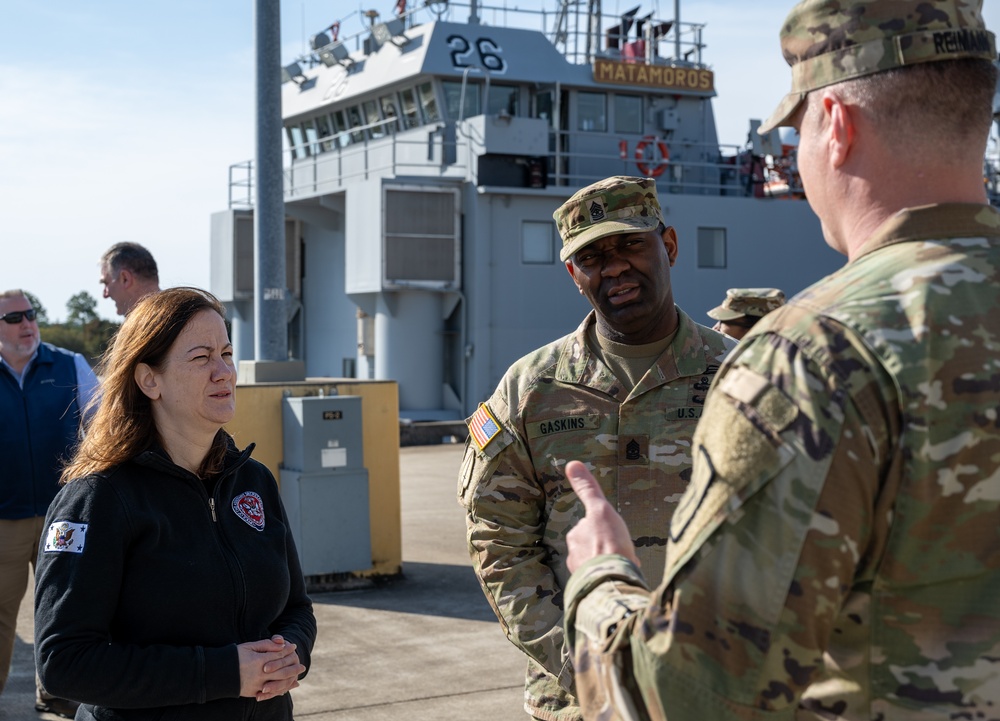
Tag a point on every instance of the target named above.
point(677, 29)
point(271, 335)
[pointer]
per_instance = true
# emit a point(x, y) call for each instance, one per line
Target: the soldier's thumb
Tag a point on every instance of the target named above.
point(584, 485)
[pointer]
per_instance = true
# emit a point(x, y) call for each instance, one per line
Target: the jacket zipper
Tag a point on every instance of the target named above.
point(236, 568)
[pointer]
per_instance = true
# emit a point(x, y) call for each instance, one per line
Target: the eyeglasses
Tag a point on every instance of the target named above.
point(18, 315)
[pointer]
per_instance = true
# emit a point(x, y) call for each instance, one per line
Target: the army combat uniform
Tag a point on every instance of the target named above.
point(555, 404)
point(837, 554)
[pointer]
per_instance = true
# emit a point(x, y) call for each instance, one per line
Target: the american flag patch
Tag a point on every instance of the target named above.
point(483, 427)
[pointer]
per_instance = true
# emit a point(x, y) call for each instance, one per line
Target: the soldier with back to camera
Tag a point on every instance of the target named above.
point(836, 555)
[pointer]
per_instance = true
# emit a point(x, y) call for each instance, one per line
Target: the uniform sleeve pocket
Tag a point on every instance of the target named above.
point(465, 474)
point(738, 449)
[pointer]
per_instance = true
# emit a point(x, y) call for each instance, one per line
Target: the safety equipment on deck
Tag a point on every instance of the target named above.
point(640, 157)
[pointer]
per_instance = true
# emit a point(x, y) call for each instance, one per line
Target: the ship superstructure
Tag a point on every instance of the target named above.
point(426, 154)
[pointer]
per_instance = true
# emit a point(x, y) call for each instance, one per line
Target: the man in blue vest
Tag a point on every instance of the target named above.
point(43, 393)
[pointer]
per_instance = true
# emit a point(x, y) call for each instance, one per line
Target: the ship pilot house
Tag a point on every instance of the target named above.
point(425, 154)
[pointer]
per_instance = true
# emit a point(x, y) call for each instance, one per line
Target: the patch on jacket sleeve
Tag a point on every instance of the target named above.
point(65, 537)
point(250, 508)
point(483, 427)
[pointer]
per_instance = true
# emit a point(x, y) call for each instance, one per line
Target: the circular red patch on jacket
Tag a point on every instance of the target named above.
point(250, 508)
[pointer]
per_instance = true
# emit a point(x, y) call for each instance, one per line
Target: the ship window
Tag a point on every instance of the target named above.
point(592, 112)
point(411, 111)
point(456, 109)
point(388, 103)
point(628, 114)
point(429, 103)
point(340, 129)
point(295, 140)
point(373, 119)
point(711, 247)
point(538, 242)
point(309, 128)
point(325, 132)
point(354, 121)
point(543, 105)
point(503, 98)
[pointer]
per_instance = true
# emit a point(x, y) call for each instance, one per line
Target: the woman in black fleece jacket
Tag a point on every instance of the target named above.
point(168, 586)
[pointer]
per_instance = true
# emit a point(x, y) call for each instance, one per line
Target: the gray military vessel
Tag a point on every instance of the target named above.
point(424, 158)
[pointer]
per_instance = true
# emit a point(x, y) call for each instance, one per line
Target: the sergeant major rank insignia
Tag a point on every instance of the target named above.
point(596, 211)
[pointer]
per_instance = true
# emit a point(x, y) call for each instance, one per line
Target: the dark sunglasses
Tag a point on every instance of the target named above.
point(16, 317)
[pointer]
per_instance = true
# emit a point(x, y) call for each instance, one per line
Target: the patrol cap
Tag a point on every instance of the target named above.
point(747, 301)
point(829, 41)
point(620, 204)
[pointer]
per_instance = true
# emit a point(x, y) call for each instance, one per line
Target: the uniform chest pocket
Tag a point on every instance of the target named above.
point(555, 441)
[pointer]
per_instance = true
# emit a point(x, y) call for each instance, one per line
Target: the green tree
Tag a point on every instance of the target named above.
point(41, 315)
point(83, 332)
point(82, 309)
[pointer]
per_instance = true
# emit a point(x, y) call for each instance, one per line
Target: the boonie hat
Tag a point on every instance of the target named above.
point(620, 204)
point(747, 301)
point(829, 41)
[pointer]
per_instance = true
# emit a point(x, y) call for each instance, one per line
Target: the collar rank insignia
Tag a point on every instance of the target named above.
point(483, 427)
point(250, 509)
point(65, 537)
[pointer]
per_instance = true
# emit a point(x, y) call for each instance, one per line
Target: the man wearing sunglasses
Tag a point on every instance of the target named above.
point(43, 392)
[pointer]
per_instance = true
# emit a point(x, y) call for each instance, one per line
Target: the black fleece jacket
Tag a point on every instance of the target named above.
point(139, 611)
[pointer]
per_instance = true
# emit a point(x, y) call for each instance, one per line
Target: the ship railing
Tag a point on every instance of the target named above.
point(377, 149)
point(691, 168)
point(579, 35)
point(447, 150)
point(241, 185)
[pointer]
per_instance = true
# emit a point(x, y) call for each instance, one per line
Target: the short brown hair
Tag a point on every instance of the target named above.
point(947, 104)
point(133, 258)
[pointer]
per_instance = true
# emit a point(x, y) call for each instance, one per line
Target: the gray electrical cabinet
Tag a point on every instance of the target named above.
point(324, 484)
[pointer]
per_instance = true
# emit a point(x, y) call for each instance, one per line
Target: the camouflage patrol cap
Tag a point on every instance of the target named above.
point(747, 301)
point(829, 41)
point(620, 204)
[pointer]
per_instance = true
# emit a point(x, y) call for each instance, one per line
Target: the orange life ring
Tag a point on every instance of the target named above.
point(640, 157)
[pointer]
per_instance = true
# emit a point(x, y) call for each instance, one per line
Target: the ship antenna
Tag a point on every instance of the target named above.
point(473, 12)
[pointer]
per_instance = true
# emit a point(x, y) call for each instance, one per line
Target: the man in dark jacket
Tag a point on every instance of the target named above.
point(43, 391)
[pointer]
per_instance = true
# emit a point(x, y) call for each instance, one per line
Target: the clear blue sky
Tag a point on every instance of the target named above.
point(119, 119)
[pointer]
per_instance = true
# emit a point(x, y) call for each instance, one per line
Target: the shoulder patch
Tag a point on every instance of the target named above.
point(483, 427)
point(65, 537)
point(250, 509)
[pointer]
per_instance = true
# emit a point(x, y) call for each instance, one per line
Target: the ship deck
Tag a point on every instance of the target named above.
point(426, 646)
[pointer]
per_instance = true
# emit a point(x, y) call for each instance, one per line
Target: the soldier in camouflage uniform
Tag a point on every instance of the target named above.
point(625, 390)
point(837, 553)
point(743, 307)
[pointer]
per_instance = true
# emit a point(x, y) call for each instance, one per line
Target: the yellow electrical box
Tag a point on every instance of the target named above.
point(259, 420)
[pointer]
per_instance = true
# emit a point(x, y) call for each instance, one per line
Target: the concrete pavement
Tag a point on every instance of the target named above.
point(425, 647)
